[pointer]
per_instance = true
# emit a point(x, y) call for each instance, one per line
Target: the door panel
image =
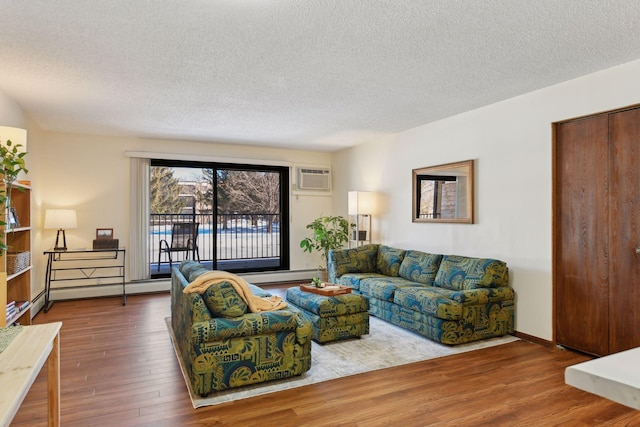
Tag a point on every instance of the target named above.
point(582, 261)
point(624, 296)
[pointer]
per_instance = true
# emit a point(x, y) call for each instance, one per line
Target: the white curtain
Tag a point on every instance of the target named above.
point(139, 253)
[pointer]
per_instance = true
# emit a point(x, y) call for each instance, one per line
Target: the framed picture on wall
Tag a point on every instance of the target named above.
point(104, 233)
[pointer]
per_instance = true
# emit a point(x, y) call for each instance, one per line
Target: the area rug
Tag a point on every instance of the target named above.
point(386, 346)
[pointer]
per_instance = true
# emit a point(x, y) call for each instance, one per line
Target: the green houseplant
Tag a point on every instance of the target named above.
point(328, 232)
point(11, 164)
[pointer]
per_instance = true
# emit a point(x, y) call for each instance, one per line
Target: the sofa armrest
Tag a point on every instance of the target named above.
point(483, 295)
point(331, 266)
point(304, 331)
point(189, 307)
point(247, 325)
point(356, 260)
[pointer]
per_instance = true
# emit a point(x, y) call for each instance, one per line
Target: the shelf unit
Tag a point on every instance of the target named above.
point(17, 237)
point(359, 230)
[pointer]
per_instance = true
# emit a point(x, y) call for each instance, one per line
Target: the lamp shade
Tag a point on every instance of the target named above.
point(17, 136)
point(60, 219)
point(361, 202)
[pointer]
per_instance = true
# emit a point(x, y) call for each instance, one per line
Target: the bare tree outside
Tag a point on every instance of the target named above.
point(253, 192)
point(243, 191)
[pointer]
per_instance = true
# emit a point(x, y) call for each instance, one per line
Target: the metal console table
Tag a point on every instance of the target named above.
point(85, 264)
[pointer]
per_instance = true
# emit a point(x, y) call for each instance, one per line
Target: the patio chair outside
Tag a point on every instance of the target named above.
point(184, 238)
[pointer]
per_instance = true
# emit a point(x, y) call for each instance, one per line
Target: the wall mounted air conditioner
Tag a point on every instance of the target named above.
point(313, 179)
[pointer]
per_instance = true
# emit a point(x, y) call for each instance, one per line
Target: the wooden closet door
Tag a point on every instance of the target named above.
point(624, 276)
point(581, 235)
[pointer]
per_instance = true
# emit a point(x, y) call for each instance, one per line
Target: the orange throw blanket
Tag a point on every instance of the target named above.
point(256, 304)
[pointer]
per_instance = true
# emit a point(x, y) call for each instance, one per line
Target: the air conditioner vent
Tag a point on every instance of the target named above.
point(317, 179)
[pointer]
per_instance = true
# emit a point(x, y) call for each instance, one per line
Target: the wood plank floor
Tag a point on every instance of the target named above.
point(118, 368)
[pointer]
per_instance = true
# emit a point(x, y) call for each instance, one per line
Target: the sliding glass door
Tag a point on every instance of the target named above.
point(230, 217)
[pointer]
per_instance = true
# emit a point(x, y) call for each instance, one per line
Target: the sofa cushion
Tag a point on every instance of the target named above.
point(383, 287)
point(388, 260)
point(357, 260)
point(324, 306)
point(191, 270)
point(483, 295)
point(222, 300)
point(353, 279)
point(253, 324)
point(459, 272)
point(429, 300)
point(420, 267)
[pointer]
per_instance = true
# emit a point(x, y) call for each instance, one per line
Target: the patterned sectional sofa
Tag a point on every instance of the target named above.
point(222, 345)
point(447, 298)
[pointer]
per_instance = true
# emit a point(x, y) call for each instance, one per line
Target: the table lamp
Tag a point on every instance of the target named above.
point(60, 219)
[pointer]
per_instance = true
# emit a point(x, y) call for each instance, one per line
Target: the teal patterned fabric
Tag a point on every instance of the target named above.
point(192, 270)
point(327, 329)
point(445, 303)
point(222, 300)
point(357, 260)
point(383, 287)
point(477, 322)
point(333, 318)
point(353, 279)
point(420, 267)
point(430, 300)
point(388, 260)
point(221, 352)
point(325, 306)
point(245, 326)
point(458, 273)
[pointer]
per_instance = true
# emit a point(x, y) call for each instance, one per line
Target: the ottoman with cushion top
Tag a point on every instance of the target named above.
point(333, 317)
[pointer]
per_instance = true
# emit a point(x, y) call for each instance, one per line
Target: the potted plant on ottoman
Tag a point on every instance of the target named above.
point(328, 232)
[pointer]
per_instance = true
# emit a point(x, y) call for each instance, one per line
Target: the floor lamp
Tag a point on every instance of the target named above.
point(360, 205)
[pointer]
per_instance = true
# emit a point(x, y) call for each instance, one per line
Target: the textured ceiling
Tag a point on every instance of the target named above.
point(317, 75)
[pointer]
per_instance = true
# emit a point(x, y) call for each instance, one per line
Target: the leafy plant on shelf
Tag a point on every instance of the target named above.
point(328, 232)
point(11, 164)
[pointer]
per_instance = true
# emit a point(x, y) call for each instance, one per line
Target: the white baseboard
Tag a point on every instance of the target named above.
point(163, 285)
point(279, 276)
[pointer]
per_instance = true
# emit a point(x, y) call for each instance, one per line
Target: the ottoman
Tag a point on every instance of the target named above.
point(333, 317)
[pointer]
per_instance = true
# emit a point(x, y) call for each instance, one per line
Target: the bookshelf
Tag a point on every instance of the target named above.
point(15, 263)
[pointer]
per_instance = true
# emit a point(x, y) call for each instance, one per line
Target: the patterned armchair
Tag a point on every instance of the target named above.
point(222, 345)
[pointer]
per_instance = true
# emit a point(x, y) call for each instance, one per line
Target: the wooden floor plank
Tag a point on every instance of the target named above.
point(118, 369)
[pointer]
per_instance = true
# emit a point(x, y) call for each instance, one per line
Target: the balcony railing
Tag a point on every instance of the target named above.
point(245, 241)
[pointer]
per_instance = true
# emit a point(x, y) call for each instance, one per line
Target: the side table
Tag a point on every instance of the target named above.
point(20, 364)
point(85, 264)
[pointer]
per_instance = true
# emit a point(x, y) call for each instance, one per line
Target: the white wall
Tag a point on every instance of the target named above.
point(511, 142)
point(10, 113)
point(91, 174)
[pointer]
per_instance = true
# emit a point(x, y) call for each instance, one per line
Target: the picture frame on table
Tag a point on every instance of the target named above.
point(14, 221)
point(104, 233)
